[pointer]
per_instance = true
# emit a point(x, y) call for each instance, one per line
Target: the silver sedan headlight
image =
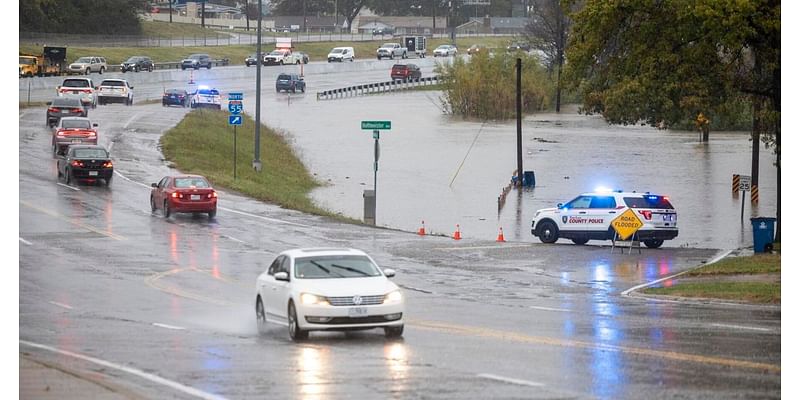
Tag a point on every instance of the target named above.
point(308, 298)
point(393, 297)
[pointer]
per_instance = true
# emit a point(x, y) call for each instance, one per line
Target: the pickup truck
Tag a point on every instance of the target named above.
point(392, 50)
point(281, 57)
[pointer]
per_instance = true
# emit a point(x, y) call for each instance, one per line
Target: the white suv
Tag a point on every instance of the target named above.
point(115, 91)
point(588, 217)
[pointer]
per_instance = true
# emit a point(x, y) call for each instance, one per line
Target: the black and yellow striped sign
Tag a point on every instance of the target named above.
point(735, 185)
point(754, 194)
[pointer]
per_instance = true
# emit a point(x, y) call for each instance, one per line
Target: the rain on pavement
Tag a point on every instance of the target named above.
point(103, 277)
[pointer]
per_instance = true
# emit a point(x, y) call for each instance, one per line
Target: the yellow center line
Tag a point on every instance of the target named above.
point(71, 221)
point(155, 282)
point(519, 337)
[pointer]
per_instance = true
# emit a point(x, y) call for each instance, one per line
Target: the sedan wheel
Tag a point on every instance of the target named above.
point(393, 332)
point(212, 213)
point(152, 204)
point(67, 177)
point(261, 317)
point(580, 241)
point(167, 211)
point(295, 332)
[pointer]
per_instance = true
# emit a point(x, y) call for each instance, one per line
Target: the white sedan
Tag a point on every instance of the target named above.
point(445, 50)
point(328, 289)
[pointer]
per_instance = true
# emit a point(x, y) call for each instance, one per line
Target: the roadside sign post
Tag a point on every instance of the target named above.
point(235, 107)
point(625, 226)
point(744, 186)
point(376, 127)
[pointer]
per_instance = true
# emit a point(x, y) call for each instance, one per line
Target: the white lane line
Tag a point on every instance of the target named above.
point(62, 305)
point(25, 241)
point(68, 187)
point(153, 378)
point(110, 146)
point(416, 289)
point(235, 239)
point(751, 328)
point(637, 287)
point(510, 380)
point(550, 309)
point(130, 120)
point(173, 327)
point(129, 179)
point(264, 218)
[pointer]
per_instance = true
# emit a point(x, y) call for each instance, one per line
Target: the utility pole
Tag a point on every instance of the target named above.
point(434, 16)
point(203, 13)
point(336, 13)
point(519, 121)
point(247, 14)
point(259, 57)
point(170, 11)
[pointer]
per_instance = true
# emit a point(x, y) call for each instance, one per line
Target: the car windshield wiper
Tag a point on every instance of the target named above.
point(351, 269)
point(320, 266)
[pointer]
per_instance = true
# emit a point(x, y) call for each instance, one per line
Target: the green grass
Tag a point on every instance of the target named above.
point(202, 143)
point(756, 264)
point(317, 51)
point(755, 292)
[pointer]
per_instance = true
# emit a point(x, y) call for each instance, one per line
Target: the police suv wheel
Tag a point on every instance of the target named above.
point(653, 243)
point(548, 232)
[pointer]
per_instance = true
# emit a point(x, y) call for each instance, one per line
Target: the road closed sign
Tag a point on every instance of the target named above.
point(626, 224)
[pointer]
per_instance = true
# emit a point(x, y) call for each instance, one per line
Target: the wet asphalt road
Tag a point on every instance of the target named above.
point(102, 276)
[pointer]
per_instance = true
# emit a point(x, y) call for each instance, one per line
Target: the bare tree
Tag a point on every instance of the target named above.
point(547, 31)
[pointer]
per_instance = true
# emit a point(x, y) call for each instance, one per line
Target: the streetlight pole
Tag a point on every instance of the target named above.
point(257, 150)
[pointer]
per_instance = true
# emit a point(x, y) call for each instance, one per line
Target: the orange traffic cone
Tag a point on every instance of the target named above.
point(421, 230)
point(191, 77)
point(457, 233)
point(500, 237)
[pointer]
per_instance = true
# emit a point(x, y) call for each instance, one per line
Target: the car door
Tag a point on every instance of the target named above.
point(575, 214)
point(273, 304)
point(158, 196)
point(602, 210)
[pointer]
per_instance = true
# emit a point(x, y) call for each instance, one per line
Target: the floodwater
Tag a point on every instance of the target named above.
point(448, 172)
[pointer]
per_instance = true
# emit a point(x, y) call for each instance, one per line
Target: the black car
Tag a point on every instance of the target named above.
point(289, 82)
point(516, 46)
point(196, 61)
point(64, 107)
point(138, 63)
point(250, 60)
point(175, 97)
point(304, 55)
point(86, 162)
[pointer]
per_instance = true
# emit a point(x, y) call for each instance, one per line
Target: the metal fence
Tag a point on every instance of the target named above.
point(234, 37)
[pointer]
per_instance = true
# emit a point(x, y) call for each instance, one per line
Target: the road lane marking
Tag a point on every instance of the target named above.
point(173, 327)
point(155, 282)
point(69, 220)
point(646, 284)
point(752, 328)
point(499, 246)
point(234, 239)
point(25, 241)
point(68, 186)
point(145, 375)
point(549, 309)
point(542, 340)
point(130, 120)
point(264, 218)
point(62, 305)
point(510, 380)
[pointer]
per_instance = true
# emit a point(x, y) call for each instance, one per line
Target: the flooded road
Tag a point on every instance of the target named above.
point(447, 171)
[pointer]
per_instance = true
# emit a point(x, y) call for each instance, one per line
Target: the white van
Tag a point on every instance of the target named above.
point(341, 53)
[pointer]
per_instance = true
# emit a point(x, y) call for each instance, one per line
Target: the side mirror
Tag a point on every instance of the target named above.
point(389, 272)
point(282, 276)
point(155, 185)
point(131, 87)
point(49, 103)
point(94, 125)
point(559, 205)
point(97, 88)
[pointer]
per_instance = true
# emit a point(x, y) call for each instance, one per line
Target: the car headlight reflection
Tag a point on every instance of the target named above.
point(308, 298)
point(393, 297)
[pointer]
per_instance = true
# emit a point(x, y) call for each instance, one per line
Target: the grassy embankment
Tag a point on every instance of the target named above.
point(203, 144)
point(317, 51)
point(753, 279)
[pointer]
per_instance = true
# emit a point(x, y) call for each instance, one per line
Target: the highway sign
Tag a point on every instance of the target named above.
point(235, 107)
point(234, 120)
point(626, 224)
point(373, 125)
point(744, 183)
point(235, 96)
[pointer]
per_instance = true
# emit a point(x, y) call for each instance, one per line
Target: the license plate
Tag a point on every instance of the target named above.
point(92, 173)
point(65, 111)
point(195, 197)
point(76, 140)
point(356, 312)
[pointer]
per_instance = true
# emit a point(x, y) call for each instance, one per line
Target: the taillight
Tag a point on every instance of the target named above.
point(53, 110)
point(176, 195)
point(77, 163)
point(92, 133)
point(86, 90)
point(647, 214)
point(60, 133)
point(108, 164)
point(77, 110)
point(212, 194)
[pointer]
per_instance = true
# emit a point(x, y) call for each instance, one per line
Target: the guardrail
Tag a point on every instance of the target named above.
point(379, 87)
point(173, 65)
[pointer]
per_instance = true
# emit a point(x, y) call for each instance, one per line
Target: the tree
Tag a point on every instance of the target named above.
point(547, 31)
point(667, 61)
point(82, 16)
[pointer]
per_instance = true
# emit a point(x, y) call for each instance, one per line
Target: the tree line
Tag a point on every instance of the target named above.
point(96, 17)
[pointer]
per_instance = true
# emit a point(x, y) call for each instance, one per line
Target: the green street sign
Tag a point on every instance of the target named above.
point(373, 125)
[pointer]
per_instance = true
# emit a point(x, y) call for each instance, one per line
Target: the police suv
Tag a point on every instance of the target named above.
point(588, 217)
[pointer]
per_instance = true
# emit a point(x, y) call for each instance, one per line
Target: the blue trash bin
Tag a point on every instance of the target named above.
point(763, 234)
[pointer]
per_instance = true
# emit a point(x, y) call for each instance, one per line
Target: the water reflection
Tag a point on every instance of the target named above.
point(396, 357)
point(312, 368)
point(606, 366)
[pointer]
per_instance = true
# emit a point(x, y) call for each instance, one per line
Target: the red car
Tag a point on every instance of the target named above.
point(73, 130)
point(183, 194)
